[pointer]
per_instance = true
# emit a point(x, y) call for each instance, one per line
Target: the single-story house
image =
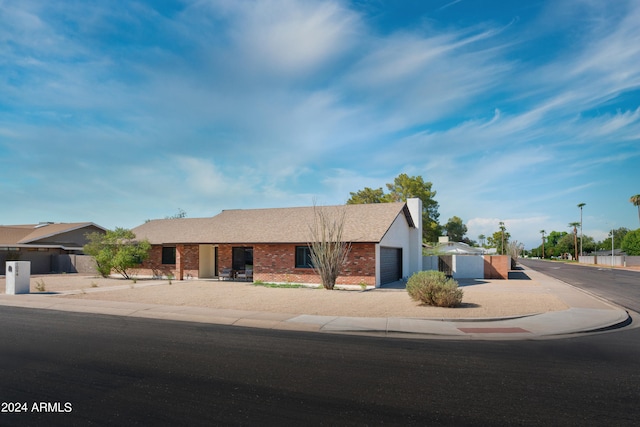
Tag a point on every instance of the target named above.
point(273, 244)
point(455, 248)
point(50, 247)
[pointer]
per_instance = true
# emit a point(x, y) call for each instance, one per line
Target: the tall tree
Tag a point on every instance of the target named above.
point(455, 229)
point(481, 238)
point(502, 229)
point(542, 232)
point(575, 226)
point(403, 188)
point(496, 240)
point(636, 202)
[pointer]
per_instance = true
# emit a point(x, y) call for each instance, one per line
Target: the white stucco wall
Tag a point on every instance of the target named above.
point(430, 262)
point(401, 235)
point(397, 237)
point(464, 266)
point(415, 236)
point(468, 267)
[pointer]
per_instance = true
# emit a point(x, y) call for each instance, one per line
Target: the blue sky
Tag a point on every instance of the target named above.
point(121, 111)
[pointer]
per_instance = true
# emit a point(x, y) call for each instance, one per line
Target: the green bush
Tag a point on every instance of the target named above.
point(434, 288)
point(631, 243)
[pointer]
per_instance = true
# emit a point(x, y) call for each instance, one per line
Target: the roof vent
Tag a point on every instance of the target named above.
point(43, 224)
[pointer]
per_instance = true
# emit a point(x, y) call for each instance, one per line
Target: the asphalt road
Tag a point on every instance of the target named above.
point(130, 371)
point(616, 285)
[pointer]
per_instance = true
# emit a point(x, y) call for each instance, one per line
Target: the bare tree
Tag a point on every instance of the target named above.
point(515, 249)
point(329, 251)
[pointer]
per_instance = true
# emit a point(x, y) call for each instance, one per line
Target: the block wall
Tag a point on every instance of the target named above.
point(497, 266)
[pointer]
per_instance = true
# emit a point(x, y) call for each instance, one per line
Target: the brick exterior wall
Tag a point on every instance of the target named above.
point(271, 263)
point(497, 266)
point(187, 261)
point(153, 265)
point(277, 263)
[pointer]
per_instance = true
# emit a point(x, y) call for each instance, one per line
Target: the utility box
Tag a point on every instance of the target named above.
point(18, 275)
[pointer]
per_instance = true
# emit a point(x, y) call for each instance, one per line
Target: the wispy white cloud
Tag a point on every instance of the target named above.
point(276, 102)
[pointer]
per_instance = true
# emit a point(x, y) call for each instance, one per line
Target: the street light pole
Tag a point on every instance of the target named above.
point(612, 248)
point(581, 205)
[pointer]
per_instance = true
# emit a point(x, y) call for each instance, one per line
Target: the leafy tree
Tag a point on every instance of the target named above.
point(618, 237)
point(469, 242)
point(635, 200)
point(455, 229)
point(179, 215)
point(403, 188)
point(565, 245)
point(631, 242)
point(588, 244)
point(552, 242)
point(116, 250)
point(367, 195)
point(495, 240)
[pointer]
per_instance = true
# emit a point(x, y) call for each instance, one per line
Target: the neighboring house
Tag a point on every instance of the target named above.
point(455, 248)
point(385, 243)
point(50, 247)
point(462, 261)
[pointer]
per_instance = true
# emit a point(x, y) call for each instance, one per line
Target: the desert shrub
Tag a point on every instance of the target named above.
point(40, 286)
point(434, 288)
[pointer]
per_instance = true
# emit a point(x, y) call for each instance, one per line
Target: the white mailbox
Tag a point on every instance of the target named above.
point(18, 275)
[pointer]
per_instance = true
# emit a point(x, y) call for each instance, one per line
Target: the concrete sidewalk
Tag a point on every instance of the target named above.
point(587, 313)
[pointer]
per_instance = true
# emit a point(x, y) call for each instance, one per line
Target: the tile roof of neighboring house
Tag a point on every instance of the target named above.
point(456, 248)
point(363, 223)
point(34, 234)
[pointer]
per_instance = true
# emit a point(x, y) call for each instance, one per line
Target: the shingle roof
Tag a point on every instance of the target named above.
point(363, 223)
point(11, 235)
point(32, 233)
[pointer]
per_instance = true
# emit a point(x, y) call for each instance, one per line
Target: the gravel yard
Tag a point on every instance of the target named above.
point(482, 299)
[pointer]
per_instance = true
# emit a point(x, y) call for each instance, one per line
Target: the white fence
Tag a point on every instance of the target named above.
point(616, 261)
point(462, 266)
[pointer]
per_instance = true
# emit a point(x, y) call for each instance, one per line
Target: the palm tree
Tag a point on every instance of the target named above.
point(575, 226)
point(481, 237)
point(502, 228)
point(542, 232)
point(581, 205)
point(636, 202)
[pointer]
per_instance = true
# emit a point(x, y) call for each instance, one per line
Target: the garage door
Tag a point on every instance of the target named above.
point(390, 265)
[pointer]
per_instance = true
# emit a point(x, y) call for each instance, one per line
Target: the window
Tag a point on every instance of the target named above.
point(303, 257)
point(242, 258)
point(169, 255)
